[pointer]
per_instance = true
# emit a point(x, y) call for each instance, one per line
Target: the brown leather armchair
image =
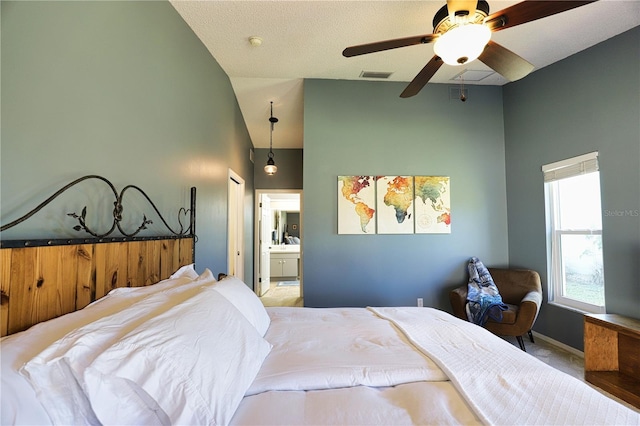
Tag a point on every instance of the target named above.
point(520, 290)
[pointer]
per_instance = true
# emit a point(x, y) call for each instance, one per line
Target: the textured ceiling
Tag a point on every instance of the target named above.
point(305, 39)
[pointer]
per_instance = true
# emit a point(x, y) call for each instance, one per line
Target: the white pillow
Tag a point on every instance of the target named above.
point(64, 360)
point(190, 365)
point(246, 301)
point(18, 349)
point(182, 276)
point(188, 271)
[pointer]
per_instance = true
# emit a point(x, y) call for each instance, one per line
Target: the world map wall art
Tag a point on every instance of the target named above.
point(394, 205)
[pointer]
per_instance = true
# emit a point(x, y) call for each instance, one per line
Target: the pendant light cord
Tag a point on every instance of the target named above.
point(273, 120)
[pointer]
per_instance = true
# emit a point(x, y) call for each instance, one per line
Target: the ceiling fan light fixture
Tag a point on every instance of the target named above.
point(462, 44)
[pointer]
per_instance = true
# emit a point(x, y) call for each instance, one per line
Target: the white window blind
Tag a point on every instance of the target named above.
point(575, 166)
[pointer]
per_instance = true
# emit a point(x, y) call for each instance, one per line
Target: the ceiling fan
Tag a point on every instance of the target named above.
point(462, 33)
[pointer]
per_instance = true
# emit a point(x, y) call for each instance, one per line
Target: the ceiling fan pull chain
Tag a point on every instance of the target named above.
point(463, 98)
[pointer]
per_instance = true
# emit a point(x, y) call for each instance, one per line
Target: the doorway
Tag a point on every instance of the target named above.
point(278, 247)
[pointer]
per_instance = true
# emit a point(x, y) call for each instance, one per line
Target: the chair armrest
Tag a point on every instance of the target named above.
point(458, 299)
point(529, 309)
point(533, 296)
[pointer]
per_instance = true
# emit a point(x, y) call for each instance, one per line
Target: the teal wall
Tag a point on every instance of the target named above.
point(289, 174)
point(127, 91)
point(587, 102)
point(364, 128)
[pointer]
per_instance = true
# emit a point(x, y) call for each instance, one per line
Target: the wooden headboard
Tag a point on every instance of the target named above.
point(44, 279)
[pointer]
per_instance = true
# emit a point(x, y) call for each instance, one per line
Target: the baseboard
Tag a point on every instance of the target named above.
point(558, 344)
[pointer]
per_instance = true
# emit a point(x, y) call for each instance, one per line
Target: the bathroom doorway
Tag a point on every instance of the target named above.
point(278, 247)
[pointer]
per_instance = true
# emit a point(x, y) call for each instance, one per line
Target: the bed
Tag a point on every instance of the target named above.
point(191, 349)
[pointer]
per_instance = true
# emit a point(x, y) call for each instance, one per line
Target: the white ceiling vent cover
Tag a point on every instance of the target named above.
point(472, 75)
point(375, 74)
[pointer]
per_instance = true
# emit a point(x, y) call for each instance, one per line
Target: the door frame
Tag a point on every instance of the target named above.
point(256, 233)
point(235, 225)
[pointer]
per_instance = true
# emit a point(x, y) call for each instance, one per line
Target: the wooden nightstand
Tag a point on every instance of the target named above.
point(612, 355)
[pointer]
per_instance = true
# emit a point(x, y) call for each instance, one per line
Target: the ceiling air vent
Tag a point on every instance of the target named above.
point(375, 74)
point(472, 75)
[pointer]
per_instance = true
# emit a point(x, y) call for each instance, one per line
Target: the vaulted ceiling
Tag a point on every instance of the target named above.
point(305, 39)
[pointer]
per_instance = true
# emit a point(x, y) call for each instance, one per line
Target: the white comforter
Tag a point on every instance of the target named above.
point(337, 348)
point(417, 403)
point(495, 377)
point(374, 378)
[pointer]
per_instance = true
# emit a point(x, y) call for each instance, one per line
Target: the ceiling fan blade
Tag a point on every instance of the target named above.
point(379, 46)
point(422, 78)
point(528, 11)
point(505, 62)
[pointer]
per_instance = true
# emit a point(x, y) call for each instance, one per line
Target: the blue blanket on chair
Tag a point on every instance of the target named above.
point(483, 299)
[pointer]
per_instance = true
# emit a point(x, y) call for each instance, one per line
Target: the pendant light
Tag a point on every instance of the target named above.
point(271, 167)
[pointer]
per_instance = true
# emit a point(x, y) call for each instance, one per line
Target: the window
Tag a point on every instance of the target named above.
point(574, 237)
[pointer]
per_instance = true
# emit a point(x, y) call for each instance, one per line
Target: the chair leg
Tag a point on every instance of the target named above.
point(521, 343)
point(531, 336)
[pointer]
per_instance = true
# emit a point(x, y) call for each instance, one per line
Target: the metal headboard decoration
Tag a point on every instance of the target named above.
point(190, 231)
